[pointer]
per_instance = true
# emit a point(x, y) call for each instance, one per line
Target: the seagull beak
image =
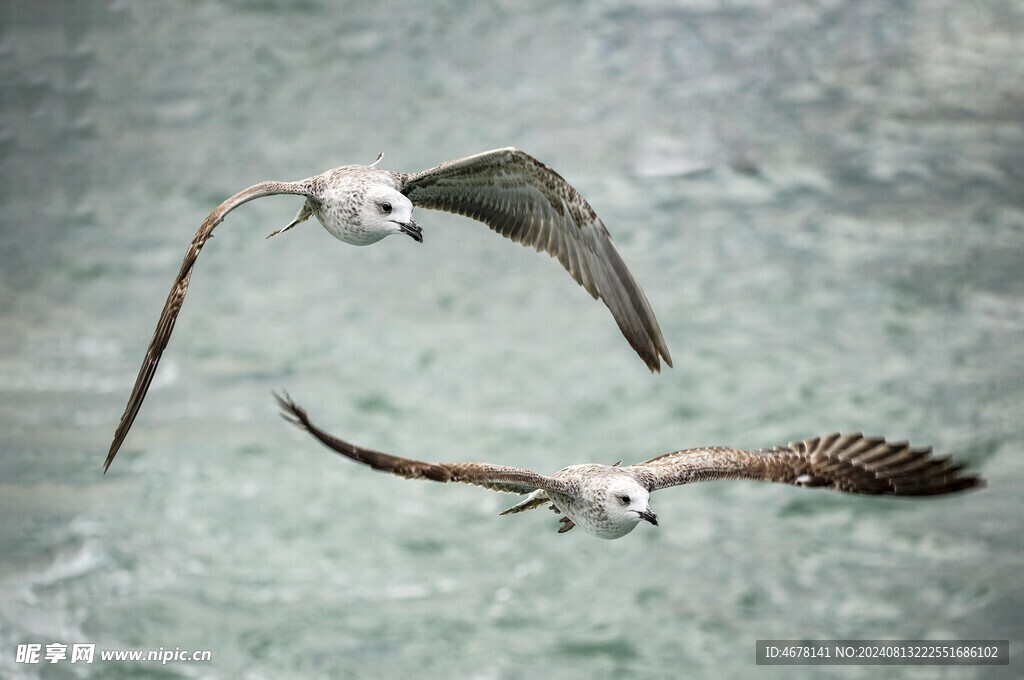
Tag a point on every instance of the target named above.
point(649, 516)
point(412, 229)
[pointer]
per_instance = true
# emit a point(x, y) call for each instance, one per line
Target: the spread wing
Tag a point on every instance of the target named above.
point(849, 463)
point(524, 200)
point(494, 477)
point(177, 295)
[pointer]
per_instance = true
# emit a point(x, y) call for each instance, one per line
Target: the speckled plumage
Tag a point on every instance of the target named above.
point(608, 500)
point(513, 193)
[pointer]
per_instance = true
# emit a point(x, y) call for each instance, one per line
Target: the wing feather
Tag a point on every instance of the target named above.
point(849, 463)
point(176, 297)
point(494, 477)
point(526, 201)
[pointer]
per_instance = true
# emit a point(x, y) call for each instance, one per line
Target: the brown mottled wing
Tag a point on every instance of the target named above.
point(524, 200)
point(177, 295)
point(848, 463)
point(494, 477)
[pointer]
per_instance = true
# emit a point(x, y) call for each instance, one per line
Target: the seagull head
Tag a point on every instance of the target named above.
point(627, 503)
point(387, 211)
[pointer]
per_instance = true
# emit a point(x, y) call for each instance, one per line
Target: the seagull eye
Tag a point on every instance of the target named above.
point(624, 499)
point(386, 208)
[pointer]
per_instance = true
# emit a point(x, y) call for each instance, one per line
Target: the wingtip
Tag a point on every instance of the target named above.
point(654, 363)
point(973, 482)
point(290, 411)
point(114, 447)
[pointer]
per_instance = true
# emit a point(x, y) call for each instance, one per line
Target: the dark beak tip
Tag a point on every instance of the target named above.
point(413, 230)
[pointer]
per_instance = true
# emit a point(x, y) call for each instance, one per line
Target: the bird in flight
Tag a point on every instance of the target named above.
point(608, 501)
point(508, 190)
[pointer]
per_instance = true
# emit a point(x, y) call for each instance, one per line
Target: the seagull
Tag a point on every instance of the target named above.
point(608, 501)
point(508, 190)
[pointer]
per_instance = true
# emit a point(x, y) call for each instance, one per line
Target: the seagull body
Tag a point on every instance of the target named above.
point(608, 501)
point(508, 190)
point(357, 204)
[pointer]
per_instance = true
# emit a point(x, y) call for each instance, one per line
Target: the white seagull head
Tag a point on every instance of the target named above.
point(387, 211)
point(626, 503)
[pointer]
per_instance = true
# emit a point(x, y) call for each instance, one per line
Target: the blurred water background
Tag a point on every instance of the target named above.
point(822, 199)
